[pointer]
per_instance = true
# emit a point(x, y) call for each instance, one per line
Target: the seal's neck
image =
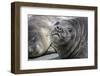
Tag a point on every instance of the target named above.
point(62, 50)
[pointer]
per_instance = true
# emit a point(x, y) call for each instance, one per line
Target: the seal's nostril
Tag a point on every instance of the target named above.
point(60, 29)
point(57, 27)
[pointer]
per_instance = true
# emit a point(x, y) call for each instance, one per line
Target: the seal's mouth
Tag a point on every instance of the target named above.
point(56, 34)
point(60, 37)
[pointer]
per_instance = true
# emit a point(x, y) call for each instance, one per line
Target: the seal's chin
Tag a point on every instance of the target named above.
point(60, 38)
point(55, 37)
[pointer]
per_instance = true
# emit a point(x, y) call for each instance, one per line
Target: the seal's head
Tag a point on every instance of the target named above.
point(62, 33)
point(69, 38)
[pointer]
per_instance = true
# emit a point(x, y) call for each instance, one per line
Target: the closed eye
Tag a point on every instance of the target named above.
point(57, 23)
point(69, 29)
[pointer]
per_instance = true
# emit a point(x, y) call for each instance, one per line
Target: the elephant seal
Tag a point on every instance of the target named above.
point(38, 41)
point(69, 38)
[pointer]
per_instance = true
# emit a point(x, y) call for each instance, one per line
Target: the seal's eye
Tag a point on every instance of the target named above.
point(69, 29)
point(57, 23)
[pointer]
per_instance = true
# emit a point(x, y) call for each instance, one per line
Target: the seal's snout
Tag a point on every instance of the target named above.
point(59, 29)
